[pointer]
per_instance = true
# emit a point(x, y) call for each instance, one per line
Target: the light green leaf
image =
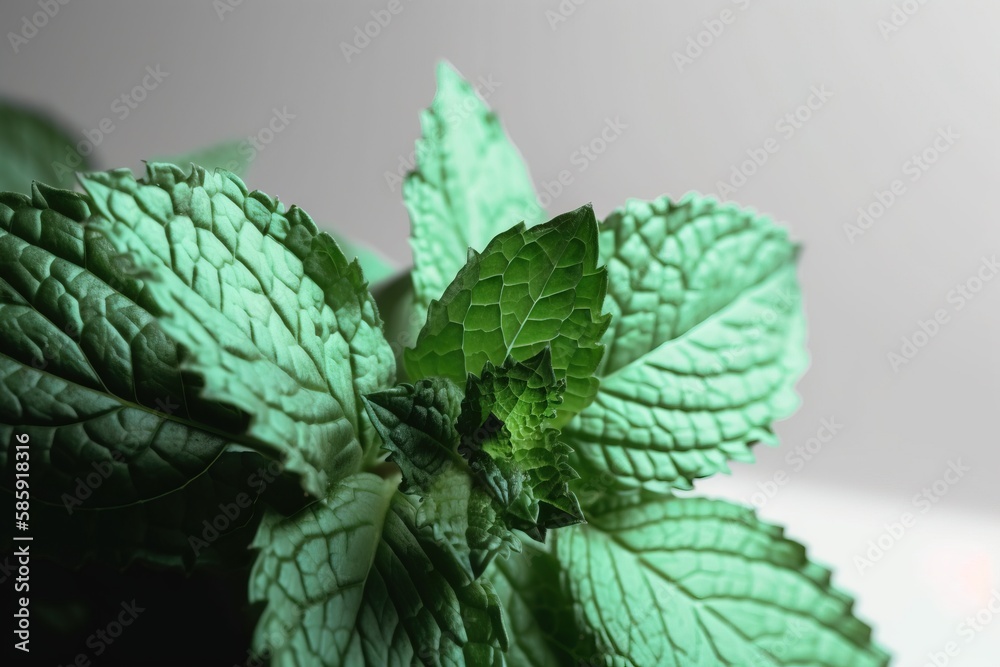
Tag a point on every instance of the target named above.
point(311, 571)
point(470, 184)
point(87, 372)
point(277, 323)
point(705, 347)
point(520, 458)
point(233, 156)
point(34, 148)
point(417, 425)
point(530, 288)
point(351, 581)
point(688, 581)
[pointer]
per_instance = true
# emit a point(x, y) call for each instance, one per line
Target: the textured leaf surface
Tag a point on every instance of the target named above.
point(349, 583)
point(539, 614)
point(417, 425)
point(530, 288)
point(521, 459)
point(33, 148)
point(439, 614)
point(705, 346)
point(277, 322)
point(689, 581)
point(470, 184)
point(85, 369)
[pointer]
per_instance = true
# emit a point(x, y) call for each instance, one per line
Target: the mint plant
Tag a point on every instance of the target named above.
point(512, 489)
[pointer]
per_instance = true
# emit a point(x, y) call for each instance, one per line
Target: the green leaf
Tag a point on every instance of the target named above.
point(438, 615)
point(689, 581)
point(705, 347)
point(208, 522)
point(543, 629)
point(491, 465)
point(470, 184)
point(87, 372)
point(521, 460)
point(34, 148)
point(373, 264)
point(530, 288)
point(233, 156)
point(351, 581)
point(395, 300)
point(311, 571)
point(417, 425)
point(276, 322)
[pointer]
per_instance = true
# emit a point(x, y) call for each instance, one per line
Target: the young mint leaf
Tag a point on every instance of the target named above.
point(34, 148)
point(351, 581)
point(689, 581)
point(492, 465)
point(87, 372)
point(470, 184)
point(276, 322)
point(521, 460)
point(417, 425)
point(705, 347)
point(529, 289)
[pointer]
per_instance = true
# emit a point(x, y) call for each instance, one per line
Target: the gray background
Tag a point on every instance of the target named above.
point(687, 127)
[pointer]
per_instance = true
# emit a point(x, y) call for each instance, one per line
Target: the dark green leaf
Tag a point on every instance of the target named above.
point(529, 289)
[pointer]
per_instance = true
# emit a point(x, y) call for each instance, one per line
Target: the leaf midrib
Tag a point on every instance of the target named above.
point(707, 320)
point(527, 317)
